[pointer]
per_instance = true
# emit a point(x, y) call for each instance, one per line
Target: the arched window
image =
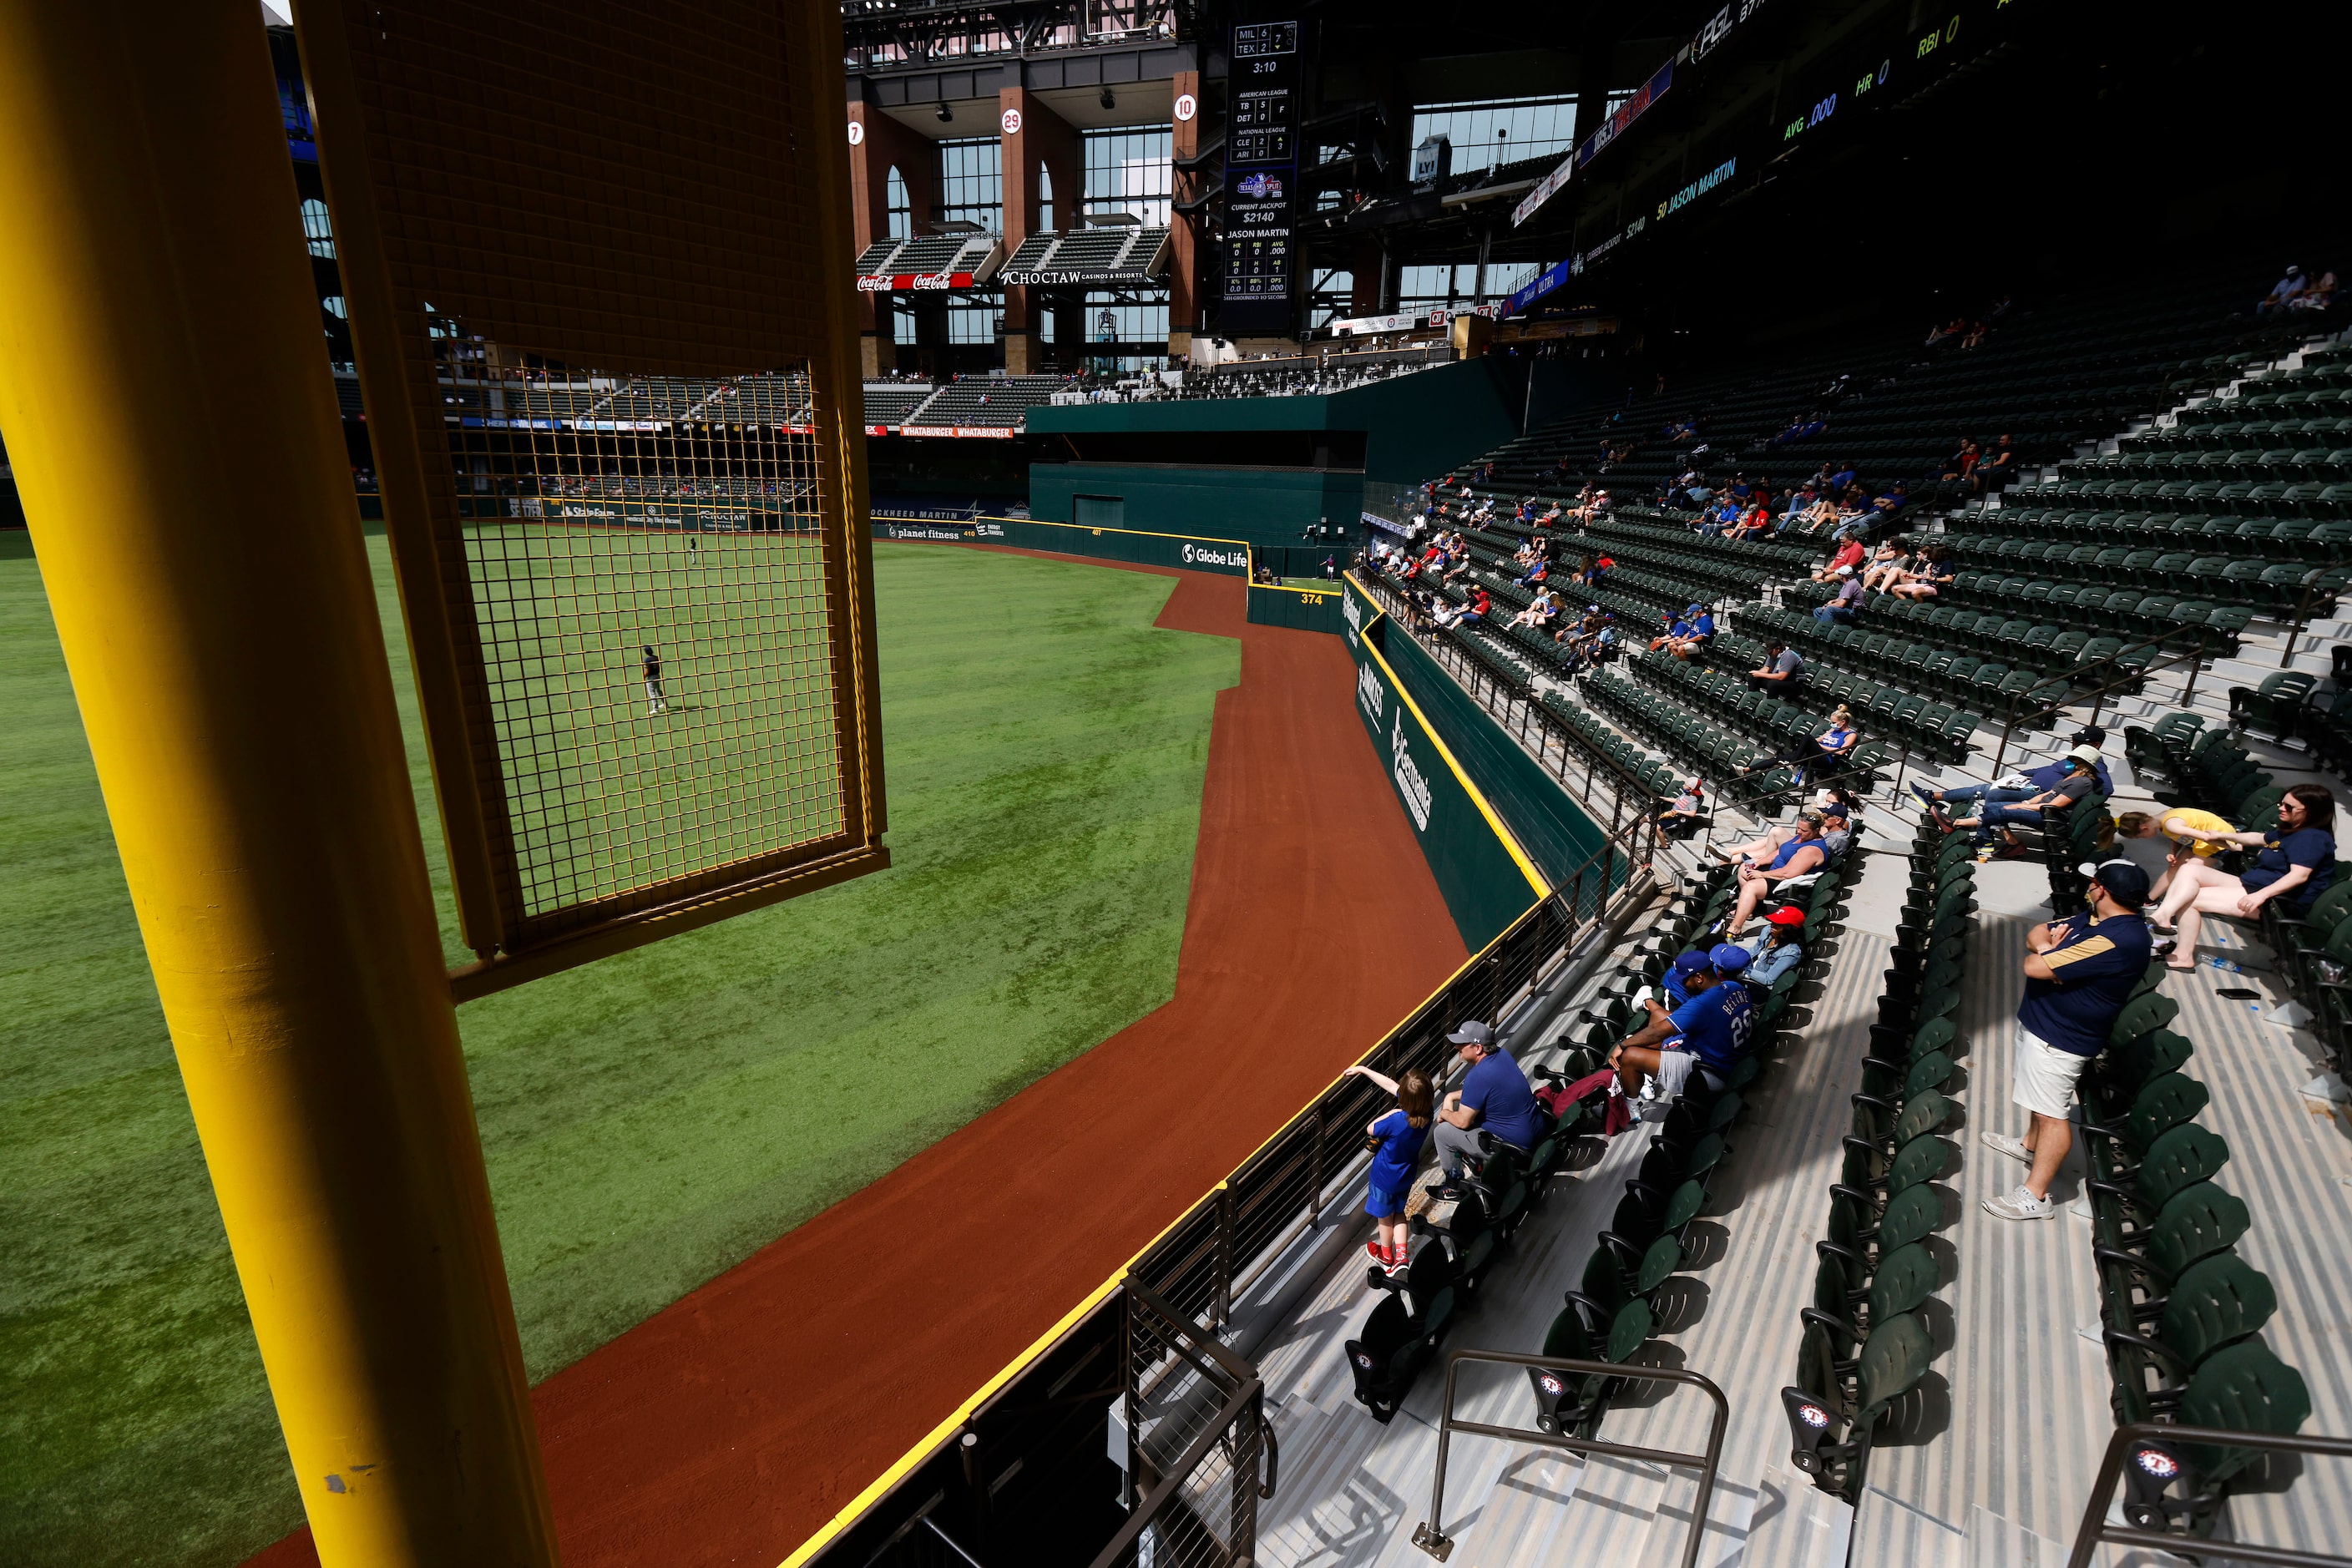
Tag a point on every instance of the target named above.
point(901, 214)
point(316, 227)
point(1044, 198)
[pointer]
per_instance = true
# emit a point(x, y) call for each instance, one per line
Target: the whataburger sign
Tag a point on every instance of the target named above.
point(913, 282)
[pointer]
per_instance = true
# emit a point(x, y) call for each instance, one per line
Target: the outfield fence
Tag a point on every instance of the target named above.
point(1301, 606)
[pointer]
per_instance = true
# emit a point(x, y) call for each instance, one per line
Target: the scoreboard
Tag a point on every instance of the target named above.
point(1261, 196)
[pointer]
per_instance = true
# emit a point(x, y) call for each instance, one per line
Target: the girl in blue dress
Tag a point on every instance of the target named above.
point(1395, 1141)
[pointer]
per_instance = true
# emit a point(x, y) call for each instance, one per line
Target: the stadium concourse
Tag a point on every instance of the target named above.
point(827, 1354)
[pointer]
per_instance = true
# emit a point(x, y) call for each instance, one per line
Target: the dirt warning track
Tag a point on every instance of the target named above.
point(731, 1425)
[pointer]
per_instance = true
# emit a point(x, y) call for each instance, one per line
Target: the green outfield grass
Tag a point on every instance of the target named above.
point(649, 1119)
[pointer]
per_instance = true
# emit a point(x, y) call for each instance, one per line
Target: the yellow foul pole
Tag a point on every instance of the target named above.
point(165, 400)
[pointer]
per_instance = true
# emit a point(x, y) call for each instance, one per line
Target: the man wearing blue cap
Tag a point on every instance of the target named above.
point(1708, 1034)
point(1677, 630)
point(1702, 631)
point(1494, 1101)
point(2079, 974)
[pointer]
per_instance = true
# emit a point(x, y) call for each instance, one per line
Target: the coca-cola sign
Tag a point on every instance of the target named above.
point(913, 282)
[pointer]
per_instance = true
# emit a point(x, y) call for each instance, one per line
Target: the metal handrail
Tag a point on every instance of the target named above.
point(1243, 1401)
point(2096, 1531)
point(1623, 854)
point(2072, 689)
point(1246, 1400)
point(1631, 787)
point(1427, 1535)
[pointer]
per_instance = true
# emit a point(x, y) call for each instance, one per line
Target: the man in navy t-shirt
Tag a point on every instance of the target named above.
point(2079, 972)
point(1494, 1100)
point(1711, 1030)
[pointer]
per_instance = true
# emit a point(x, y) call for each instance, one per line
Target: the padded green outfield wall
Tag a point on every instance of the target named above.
point(1263, 506)
point(1486, 878)
point(1306, 609)
point(1411, 427)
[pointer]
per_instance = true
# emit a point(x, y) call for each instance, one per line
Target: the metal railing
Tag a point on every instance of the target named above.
point(1429, 1535)
point(1523, 716)
point(1215, 1252)
point(2031, 708)
point(2149, 1436)
point(1197, 1440)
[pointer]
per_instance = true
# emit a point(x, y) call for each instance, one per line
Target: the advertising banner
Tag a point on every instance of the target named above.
point(744, 515)
point(1485, 876)
point(913, 282)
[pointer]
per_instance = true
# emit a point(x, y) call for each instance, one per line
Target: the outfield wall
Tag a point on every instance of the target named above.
point(1408, 428)
point(1554, 828)
point(1486, 875)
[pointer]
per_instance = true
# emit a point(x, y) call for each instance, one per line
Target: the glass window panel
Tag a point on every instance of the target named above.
point(1129, 172)
point(901, 211)
point(316, 228)
point(1527, 128)
point(972, 320)
point(971, 182)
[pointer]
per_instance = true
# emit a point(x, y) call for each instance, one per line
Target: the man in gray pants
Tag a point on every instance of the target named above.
point(1494, 1101)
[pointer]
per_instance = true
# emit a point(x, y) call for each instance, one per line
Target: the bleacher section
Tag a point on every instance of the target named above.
point(931, 255)
point(981, 403)
point(889, 403)
point(1088, 258)
point(2181, 516)
point(2049, 379)
point(1309, 374)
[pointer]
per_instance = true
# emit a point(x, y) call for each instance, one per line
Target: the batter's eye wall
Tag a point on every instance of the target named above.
point(624, 203)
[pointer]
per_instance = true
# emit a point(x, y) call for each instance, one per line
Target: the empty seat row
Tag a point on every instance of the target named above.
point(1863, 1343)
point(2181, 1312)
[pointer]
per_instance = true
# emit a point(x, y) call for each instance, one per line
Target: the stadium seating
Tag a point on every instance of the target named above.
point(1106, 255)
point(2178, 1306)
point(893, 403)
point(1610, 1312)
point(988, 402)
point(1864, 1344)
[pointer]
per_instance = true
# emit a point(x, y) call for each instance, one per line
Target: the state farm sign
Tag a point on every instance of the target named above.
point(913, 282)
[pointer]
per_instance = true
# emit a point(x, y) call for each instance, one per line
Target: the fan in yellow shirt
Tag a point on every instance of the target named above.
point(2180, 821)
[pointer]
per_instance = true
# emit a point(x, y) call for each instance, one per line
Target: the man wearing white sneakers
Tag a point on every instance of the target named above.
point(2079, 972)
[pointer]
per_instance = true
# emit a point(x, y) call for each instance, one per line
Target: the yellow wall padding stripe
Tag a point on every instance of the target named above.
point(1511, 841)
